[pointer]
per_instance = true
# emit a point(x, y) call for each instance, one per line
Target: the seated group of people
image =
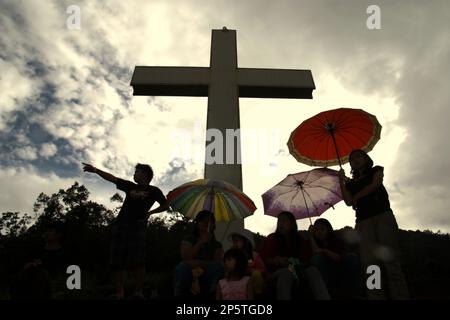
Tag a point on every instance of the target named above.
point(288, 265)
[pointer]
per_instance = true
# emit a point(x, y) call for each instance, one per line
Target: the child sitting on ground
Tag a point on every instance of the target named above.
point(256, 269)
point(236, 285)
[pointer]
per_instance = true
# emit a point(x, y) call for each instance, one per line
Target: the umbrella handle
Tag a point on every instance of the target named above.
point(307, 209)
point(335, 146)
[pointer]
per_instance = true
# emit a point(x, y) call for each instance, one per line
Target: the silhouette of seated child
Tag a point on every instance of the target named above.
point(237, 284)
point(256, 268)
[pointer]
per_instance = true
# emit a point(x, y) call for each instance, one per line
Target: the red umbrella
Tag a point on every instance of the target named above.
point(328, 138)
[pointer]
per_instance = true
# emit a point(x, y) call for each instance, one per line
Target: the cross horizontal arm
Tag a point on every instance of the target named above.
point(170, 81)
point(275, 83)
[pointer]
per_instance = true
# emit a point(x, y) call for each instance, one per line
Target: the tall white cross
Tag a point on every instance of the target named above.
point(223, 83)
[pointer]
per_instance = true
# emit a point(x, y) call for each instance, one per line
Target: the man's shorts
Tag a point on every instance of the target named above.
point(128, 245)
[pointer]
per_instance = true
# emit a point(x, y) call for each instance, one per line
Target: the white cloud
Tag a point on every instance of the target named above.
point(15, 87)
point(27, 153)
point(15, 183)
point(48, 150)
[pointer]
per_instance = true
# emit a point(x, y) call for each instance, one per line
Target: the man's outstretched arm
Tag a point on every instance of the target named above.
point(105, 175)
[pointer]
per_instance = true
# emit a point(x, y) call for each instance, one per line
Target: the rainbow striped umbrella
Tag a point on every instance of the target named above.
point(225, 200)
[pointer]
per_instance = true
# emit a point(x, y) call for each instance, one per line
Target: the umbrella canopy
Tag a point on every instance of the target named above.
point(222, 198)
point(305, 194)
point(329, 137)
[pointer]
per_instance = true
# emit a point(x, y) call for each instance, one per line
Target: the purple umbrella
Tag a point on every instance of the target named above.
point(305, 194)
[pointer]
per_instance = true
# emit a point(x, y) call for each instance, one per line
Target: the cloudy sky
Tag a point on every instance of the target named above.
point(65, 94)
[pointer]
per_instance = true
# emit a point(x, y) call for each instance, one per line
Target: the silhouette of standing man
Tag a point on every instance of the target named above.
point(128, 234)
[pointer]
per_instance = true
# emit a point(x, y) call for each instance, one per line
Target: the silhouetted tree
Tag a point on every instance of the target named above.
point(13, 224)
